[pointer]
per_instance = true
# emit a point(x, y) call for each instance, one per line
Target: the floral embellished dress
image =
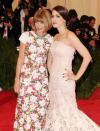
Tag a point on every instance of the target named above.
point(33, 98)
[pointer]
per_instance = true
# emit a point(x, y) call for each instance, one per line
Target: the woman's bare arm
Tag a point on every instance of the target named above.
point(18, 67)
point(82, 50)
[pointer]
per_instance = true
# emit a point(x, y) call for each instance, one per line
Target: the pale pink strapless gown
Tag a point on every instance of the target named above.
point(63, 114)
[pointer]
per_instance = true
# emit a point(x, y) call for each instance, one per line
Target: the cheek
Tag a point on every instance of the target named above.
point(36, 25)
point(52, 20)
point(42, 26)
point(61, 22)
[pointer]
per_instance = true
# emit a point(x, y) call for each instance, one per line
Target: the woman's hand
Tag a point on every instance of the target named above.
point(16, 85)
point(69, 75)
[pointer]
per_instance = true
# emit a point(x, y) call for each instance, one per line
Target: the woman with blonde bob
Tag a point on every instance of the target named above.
point(31, 79)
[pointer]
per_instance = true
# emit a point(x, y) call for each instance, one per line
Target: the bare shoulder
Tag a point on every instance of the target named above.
point(56, 37)
point(73, 38)
point(71, 35)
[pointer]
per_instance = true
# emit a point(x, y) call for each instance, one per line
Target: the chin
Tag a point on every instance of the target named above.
point(55, 26)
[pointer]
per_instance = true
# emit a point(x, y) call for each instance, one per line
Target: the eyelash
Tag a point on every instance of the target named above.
point(55, 16)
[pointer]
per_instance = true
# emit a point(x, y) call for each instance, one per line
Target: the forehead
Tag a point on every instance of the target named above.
point(54, 12)
point(92, 21)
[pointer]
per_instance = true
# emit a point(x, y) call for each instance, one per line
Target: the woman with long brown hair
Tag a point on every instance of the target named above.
point(63, 113)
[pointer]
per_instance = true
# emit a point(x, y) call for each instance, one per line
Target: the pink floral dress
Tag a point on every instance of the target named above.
point(33, 98)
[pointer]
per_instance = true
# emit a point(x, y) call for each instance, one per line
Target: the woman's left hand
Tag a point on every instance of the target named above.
point(69, 75)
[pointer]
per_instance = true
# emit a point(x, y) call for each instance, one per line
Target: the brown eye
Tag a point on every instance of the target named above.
point(57, 16)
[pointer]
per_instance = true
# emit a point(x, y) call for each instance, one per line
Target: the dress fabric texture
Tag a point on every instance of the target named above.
point(33, 98)
point(63, 113)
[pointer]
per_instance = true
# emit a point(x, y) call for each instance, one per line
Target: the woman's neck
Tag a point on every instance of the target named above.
point(62, 30)
point(40, 33)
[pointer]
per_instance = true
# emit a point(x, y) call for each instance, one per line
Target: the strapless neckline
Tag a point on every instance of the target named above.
point(61, 42)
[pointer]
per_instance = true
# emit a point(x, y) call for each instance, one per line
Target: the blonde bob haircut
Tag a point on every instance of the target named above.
point(44, 16)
